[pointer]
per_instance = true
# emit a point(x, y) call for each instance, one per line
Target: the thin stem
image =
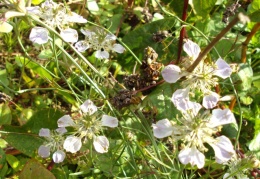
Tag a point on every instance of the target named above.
point(212, 44)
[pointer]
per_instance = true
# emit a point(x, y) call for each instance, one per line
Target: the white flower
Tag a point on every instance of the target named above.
point(44, 132)
point(39, 35)
point(223, 69)
point(192, 49)
point(223, 149)
point(210, 101)
point(171, 73)
point(162, 128)
point(69, 35)
point(58, 156)
point(221, 117)
point(88, 107)
point(72, 144)
point(101, 144)
point(192, 156)
point(101, 41)
point(44, 151)
point(65, 121)
point(109, 121)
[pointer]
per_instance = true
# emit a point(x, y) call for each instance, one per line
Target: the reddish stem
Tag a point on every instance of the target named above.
point(183, 29)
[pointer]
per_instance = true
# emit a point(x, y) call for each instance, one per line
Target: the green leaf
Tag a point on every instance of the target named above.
point(33, 169)
point(5, 114)
point(244, 77)
point(202, 7)
point(254, 145)
point(45, 54)
point(161, 99)
point(255, 16)
point(2, 158)
point(35, 67)
point(254, 6)
point(13, 161)
point(3, 77)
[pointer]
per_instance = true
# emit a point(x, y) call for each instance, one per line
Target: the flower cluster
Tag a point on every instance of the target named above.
point(57, 15)
point(204, 76)
point(54, 15)
point(196, 128)
point(87, 127)
point(101, 41)
point(54, 142)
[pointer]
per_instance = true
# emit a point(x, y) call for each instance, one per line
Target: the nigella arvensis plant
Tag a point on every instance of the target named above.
point(87, 127)
point(100, 41)
point(54, 15)
point(53, 144)
point(195, 128)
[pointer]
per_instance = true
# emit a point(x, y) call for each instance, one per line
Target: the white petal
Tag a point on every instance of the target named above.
point(171, 73)
point(192, 156)
point(33, 10)
point(109, 121)
point(221, 117)
point(61, 130)
point(223, 149)
point(87, 32)
point(82, 46)
point(72, 144)
point(118, 48)
point(223, 70)
point(192, 49)
point(210, 101)
point(102, 54)
point(69, 35)
point(76, 18)
point(88, 107)
point(65, 121)
point(101, 144)
point(44, 151)
point(110, 37)
point(44, 132)
point(162, 128)
point(58, 156)
point(39, 35)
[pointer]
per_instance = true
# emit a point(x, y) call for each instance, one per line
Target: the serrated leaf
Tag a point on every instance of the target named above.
point(5, 114)
point(202, 7)
point(33, 169)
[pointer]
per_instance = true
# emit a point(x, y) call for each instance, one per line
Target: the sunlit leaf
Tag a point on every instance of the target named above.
point(5, 114)
point(202, 7)
point(34, 169)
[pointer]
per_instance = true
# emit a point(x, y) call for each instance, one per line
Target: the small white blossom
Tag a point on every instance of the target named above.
point(100, 41)
point(39, 35)
point(192, 156)
point(180, 99)
point(72, 144)
point(109, 121)
point(101, 144)
point(65, 121)
point(61, 130)
point(88, 107)
point(58, 156)
point(223, 69)
point(162, 128)
point(171, 73)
